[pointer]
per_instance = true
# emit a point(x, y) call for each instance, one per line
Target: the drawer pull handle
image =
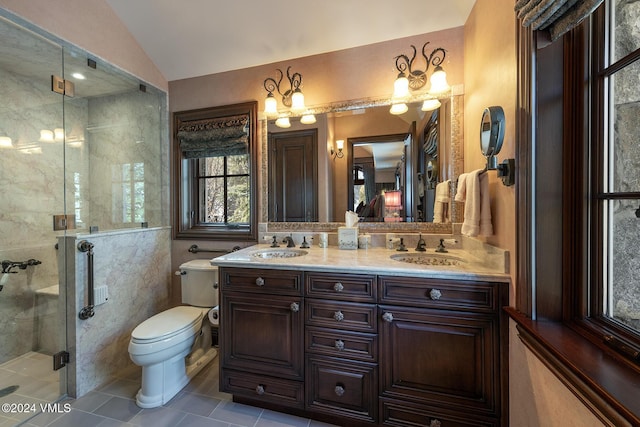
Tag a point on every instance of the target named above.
point(339, 390)
point(338, 316)
point(338, 287)
point(435, 423)
point(435, 294)
point(295, 307)
point(339, 345)
point(260, 281)
point(260, 389)
point(387, 317)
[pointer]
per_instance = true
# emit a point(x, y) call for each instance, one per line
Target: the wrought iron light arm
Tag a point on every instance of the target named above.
point(295, 81)
point(418, 78)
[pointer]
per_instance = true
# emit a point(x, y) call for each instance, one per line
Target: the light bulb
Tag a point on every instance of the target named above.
point(46, 135)
point(308, 119)
point(58, 134)
point(399, 108)
point(5, 142)
point(430, 104)
point(401, 87)
point(439, 81)
point(283, 122)
point(270, 106)
point(297, 101)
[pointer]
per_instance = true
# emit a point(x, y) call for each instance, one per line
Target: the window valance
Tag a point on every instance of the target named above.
point(557, 16)
point(214, 137)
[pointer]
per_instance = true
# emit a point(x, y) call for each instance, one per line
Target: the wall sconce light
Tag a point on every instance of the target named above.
point(292, 98)
point(339, 154)
point(409, 79)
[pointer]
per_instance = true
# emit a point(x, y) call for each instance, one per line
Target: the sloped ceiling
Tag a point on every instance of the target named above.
point(198, 37)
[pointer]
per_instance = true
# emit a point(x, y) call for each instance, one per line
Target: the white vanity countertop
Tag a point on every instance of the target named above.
point(371, 261)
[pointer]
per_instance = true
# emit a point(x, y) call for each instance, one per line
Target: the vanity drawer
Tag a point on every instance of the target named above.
point(340, 388)
point(434, 293)
point(346, 287)
point(406, 414)
point(345, 344)
point(267, 281)
point(263, 388)
point(341, 315)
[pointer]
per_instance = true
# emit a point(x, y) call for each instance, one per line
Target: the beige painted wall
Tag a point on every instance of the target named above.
point(93, 26)
point(537, 397)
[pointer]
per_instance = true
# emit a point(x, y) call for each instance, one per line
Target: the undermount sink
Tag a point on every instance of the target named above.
point(278, 253)
point(428, 259)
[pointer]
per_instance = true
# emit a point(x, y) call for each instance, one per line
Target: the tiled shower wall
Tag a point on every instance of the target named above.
point(135, 266)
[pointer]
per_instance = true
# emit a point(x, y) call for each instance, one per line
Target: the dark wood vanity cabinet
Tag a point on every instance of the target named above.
point(341, 345)
point(442, 350)
point(357, 349)
point(262, 341)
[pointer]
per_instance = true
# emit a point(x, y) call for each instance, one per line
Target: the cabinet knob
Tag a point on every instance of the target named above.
point(435, 423)
point(260, 389)
point(435, 294)
point(295, 307)
point(338, 287)
point(387, 317)
point(339, 390)
point(339, 345)
point(338, 316)
point(260, 281)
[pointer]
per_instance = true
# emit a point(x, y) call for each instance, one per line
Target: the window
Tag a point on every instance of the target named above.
point(215, 173)
point(614, 220)
point(127, 193)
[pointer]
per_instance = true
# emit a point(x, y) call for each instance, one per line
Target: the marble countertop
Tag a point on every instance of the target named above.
point(372, 261)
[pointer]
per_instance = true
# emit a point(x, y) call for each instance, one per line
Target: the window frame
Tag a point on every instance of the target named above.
point(553, 313)
point(185, 180)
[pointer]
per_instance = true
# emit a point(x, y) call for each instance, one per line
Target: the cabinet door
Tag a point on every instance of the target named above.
point(442, 358)
point(263, 334)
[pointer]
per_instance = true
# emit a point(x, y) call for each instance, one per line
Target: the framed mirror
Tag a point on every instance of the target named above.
point(372, 118)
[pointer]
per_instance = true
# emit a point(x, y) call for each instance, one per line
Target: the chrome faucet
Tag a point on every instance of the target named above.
point(421, 247)
point(289, 241)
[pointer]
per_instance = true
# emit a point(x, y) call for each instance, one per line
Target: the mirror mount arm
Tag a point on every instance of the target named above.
point(506, 169)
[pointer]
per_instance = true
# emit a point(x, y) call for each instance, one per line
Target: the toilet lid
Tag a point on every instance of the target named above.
point(167, 323)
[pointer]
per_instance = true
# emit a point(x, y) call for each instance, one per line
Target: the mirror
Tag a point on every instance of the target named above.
point(491, 131)
point(437, 156)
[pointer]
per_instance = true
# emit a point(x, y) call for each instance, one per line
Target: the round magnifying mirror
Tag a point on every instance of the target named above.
point(491, 131)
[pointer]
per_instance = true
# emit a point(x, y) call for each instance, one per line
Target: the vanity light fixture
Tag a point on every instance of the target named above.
point(339, 154)
point(413, 80)
point(291, 97)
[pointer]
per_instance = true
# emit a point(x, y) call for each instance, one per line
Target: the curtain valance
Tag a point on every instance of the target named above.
point(214, 137)
point(557, 16)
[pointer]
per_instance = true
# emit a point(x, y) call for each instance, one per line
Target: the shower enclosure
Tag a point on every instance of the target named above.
point(83, 153)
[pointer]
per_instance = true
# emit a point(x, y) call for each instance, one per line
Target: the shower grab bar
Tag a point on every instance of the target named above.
point(87, 311)
point(194, 249)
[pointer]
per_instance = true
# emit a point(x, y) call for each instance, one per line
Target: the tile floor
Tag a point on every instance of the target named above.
point(198, 404)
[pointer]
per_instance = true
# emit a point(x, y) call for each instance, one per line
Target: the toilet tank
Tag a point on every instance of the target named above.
point(199, 283)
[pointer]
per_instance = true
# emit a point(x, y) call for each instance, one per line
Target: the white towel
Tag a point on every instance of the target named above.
point(473, 190)
point(441, 203)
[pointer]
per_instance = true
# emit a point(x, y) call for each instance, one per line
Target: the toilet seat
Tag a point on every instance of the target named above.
point(168, 324)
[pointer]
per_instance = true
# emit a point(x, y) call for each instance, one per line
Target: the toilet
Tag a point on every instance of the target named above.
point(175, 345)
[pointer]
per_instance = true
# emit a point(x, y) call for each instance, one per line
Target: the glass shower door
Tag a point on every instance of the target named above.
point(32, 218)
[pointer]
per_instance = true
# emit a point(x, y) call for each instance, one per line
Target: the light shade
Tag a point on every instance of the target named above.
point(58, 134)
point(401, 87)
point(283, 122)
point(5, 142)
point(393, 199)
point(439, 81)
point(297, 101)
point(340, 144)
point(430, 104)
point(400, 108)
point(308, 119)
point(270, 106)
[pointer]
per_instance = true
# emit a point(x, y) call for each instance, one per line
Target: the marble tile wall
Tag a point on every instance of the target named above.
point(135, 266)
